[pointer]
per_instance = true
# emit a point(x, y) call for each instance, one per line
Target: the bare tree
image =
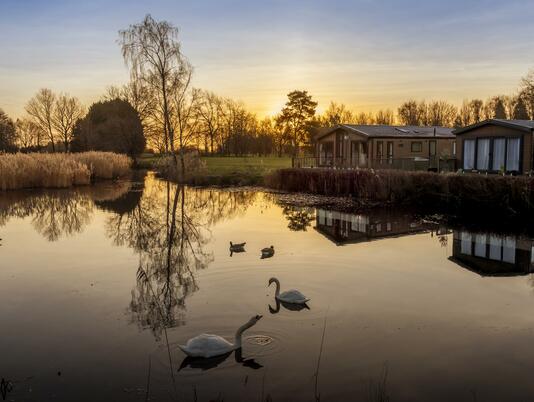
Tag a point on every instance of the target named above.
point(185, 101)
point(29, 134)
point(385, 117)
point(153, 51)
point(337, 113)
point(441, 113)
point(41, 109)
point(210, 113)
point(527, 92)
point(364, 118)
point(67, 111)
point(408, 113)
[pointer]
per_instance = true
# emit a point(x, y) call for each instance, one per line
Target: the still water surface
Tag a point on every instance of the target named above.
point(98, 285)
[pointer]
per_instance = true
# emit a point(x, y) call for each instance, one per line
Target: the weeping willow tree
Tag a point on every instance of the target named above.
point(152, 50)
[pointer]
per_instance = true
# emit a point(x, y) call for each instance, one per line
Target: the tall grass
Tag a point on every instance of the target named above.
point(104, 165)
point(38, 170)
point(452, 192)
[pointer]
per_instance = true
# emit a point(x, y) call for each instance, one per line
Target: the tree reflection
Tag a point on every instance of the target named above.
point(169, 229)
point(299, 218)
point(57, 213)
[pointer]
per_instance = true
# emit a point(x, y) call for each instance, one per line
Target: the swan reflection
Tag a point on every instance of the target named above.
point(287, 306)
point(204, 364)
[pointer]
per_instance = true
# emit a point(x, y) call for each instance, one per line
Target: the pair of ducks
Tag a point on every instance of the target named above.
point(207, 345)
point(266, 252)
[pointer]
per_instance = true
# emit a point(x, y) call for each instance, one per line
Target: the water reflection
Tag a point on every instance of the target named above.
point(299, 218)
point(57, 213)
point(165, 224)
point(392, 302)
point(493, 254)
point(287, 306)
point(343, 228)
point(488, 254)
point(169, 258)
point(6, 387)
point(169, 229)
point(204, 364)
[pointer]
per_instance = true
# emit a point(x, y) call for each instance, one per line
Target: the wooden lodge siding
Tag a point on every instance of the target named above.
point(344, 143)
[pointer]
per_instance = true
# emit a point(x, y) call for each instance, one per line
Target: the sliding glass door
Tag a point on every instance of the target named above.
point(499, 148)
point(492, 154)
point(483, 153)
point(469, 154)
point(513, 152)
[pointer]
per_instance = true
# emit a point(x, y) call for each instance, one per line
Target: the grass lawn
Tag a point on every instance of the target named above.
point(228, 170)
point(254, 165)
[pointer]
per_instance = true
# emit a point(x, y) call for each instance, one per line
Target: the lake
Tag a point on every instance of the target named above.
point(99, 285)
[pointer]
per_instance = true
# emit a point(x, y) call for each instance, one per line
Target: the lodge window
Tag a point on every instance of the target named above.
point(379, 150)
point(454, 148)
point(417, 147)
point(492, 154)
point(390, 151)
point(432, 148)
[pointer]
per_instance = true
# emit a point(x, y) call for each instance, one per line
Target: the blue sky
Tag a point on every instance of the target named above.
point(368, 54)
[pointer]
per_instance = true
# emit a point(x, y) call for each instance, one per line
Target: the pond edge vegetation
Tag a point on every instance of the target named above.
point(60, 170)
point(455, 193)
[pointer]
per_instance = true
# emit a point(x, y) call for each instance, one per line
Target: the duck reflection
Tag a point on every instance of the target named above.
point(204, 364)
point(490, 254)
point(287, 306)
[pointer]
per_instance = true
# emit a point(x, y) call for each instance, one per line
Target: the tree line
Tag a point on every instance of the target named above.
point(160, 108)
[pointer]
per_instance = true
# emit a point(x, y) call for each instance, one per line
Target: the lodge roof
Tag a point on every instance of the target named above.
point(377, 131)
point(522, 125)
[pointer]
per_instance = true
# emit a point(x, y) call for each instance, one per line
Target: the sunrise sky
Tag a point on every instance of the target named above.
point(369, 54)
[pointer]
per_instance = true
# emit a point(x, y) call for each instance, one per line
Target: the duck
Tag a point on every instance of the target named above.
point(292, 296)
point(237, 248)
point(208, 346)
point(267, 252)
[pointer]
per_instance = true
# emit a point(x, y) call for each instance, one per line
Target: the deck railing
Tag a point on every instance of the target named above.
point(414, 164)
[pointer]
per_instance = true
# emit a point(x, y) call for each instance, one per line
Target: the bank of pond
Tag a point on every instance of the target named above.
point(454, 193)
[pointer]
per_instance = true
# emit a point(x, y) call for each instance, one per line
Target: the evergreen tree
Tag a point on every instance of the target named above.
point(520, 109)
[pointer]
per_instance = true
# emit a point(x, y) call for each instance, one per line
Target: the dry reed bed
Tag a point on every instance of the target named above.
point(451, 192)
point(39, 170)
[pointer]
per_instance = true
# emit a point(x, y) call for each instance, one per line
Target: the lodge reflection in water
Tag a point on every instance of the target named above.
point(484, 253)
point(493, 254)
point(351, 228)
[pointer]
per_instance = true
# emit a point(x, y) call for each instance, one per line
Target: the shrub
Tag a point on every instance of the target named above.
point(59, 170)
point(172, 171)
point(112, 126)
point(459, 193)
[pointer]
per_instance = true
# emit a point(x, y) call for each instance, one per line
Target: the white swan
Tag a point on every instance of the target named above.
point(206, 345)
point(290, 296)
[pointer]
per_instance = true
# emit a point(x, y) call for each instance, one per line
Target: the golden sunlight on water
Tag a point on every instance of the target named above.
point(98, 286)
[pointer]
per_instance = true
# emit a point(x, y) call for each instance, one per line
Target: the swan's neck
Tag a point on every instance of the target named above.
point(239, 333)
point(277, 291)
